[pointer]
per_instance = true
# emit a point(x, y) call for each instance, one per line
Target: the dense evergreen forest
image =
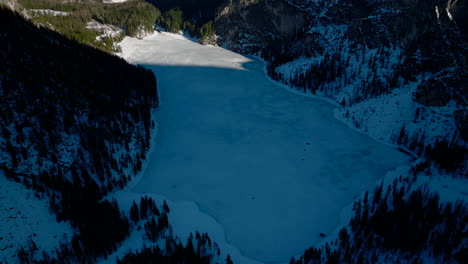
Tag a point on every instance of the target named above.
point(67, 109)
point(197, 12)
point(173, 20)
point(399, 224)
point(197, 250)
point(134, 17)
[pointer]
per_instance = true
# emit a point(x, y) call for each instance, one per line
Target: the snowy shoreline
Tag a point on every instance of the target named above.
point(335, 111)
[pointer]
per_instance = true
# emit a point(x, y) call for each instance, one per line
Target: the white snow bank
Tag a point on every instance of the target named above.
point(383, 117)
point(173, 49)
point(114, 1)
point(49, 12)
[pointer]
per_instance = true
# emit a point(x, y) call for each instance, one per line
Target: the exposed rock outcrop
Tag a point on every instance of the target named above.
point(250, 25)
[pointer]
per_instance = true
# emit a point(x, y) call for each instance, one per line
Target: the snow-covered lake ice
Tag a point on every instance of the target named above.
point(274, 168)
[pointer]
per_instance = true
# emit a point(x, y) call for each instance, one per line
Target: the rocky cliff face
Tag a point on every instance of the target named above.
point(13, 5)
point(248, 26)
point(402, 62)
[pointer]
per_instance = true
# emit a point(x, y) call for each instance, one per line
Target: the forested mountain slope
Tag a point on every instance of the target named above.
point(68, 110)
point(398, 223)
point(96, 23)
point(75, 124)
point(195, 11)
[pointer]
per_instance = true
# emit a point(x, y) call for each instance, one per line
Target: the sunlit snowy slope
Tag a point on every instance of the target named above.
point(274, 168)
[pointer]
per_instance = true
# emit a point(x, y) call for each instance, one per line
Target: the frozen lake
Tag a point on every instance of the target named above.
point(274, 168)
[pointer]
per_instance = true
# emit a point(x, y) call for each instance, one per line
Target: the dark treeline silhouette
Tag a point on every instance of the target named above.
point(198, 250)
point(197, 12)
point(399, 222)
point(447, 154)
point(174, 20)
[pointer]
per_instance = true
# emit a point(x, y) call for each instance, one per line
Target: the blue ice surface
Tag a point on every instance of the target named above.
point(275, 169)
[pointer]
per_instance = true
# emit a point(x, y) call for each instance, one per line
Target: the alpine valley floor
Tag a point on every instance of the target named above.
point(274, 168)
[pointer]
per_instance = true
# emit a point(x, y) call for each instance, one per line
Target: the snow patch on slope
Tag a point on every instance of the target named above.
point(26, 218)
point(146, 50)
point(114, 1)
point(298, 66)
point(49, 12)
point(106, 30)
point(383, 117)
